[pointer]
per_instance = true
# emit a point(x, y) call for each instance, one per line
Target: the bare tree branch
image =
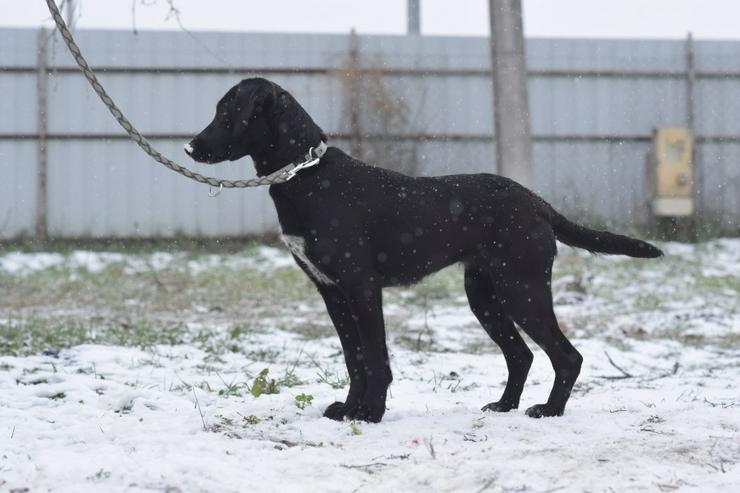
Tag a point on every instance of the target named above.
point(174, 14)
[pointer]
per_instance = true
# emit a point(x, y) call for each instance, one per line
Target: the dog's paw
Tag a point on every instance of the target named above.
point(367, 412)
point(500, 407)
point(339, 410)
point(335, 411)
point(544, 411)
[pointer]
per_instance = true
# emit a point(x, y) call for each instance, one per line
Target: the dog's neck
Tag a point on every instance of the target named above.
point(276, 156)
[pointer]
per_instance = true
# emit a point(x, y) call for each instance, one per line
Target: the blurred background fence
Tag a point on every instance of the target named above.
point(416, 103)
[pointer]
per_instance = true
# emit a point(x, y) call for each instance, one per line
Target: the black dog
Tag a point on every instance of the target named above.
point(355, 229)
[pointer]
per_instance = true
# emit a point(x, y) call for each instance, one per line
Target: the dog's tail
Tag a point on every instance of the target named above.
point(594, 241)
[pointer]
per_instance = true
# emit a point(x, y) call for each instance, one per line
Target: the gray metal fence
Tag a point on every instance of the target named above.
point(66, 170)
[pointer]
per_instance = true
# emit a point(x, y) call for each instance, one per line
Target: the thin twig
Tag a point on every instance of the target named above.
point(197, 405)
point(625, 373)
point(430, 446)
point(174, 13)
point(673, 371)
point(291, 444)
point(652, 430)
point(368, 468)
point(667, 487)
point(487, 484)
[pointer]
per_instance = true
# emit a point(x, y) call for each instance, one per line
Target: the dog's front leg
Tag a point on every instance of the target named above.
point(346, 326)
point(366, 303)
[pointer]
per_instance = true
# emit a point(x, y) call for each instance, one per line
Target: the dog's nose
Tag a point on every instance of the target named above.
point(189, 148)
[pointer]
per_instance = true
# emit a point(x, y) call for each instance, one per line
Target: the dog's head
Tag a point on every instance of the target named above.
point(259, 118)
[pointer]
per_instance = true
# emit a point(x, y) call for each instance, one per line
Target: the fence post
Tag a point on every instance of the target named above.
point(41, 101)
point(413, 17)
point(691, 124)
point(511, 103)
point(354, 96)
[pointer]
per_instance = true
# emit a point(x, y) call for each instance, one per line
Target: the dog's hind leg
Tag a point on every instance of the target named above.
point(345, 324)
point(528, 300)
point(490, 313)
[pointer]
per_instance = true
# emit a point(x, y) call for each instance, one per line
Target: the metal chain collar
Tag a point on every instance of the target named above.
point(280, 176)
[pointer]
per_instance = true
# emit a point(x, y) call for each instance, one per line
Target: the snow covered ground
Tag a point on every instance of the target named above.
point(145, 372)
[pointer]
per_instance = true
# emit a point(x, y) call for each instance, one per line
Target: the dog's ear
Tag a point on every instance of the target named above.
point(284, 107)
point(290, 120)
point(254, 101)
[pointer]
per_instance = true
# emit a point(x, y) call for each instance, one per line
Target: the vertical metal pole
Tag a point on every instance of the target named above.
point(511, 103)
point(691, 123)
point(690, 81)
point(413, 15)
point(41, 94)
point(354, 96)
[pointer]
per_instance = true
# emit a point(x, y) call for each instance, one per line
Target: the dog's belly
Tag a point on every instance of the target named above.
point(405, 262)
point(297, 246)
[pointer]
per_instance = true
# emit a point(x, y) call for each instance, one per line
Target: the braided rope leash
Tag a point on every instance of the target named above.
point(280, 176)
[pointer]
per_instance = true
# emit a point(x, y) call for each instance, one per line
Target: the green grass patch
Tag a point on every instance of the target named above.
point(23, 337)
point(217, 296)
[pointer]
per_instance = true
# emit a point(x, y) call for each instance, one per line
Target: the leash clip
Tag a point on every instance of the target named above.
point(212, 194)
point(310, 161)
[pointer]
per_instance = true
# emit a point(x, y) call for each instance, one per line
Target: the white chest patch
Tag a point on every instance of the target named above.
point(297, 246)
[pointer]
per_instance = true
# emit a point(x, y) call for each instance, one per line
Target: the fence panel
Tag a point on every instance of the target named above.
point(425, 105)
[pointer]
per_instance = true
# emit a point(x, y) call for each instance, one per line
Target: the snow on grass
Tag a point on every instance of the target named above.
point(25, 263)
point(22, 263)
point(164, 400)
